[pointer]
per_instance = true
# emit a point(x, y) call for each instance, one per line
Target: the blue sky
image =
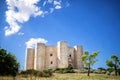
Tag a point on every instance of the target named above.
point(94, 24)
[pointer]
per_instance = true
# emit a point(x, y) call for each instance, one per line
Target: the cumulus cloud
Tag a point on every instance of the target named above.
point(31, 43)
point(57, 4)
point(58, 7)
point(20, 11)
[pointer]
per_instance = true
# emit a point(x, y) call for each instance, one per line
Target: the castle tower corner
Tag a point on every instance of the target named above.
point(62, 54)
point(78, 51)
point(39, 56)
point(29, 58)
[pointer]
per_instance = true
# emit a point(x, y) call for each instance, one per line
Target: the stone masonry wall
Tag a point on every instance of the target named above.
point(30, 58)
point(78, 53)
point(62, 51)
point(40, 56)
point(51, 57)
point(71, 56)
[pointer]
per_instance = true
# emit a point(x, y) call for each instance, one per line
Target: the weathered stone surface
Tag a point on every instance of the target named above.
point(62, 54)
point(29, 58)
point(52, 57)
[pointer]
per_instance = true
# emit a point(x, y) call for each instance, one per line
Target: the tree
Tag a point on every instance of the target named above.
point(89, 59)
point(113, 63)
point(101, 68)
point(8, 63)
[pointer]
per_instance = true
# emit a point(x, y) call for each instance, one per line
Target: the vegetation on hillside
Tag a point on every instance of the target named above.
point(70, 76)
point(69, 69)
point(8, 64)
point(89, 59)
point(113, 63)
point(36, 74)
point(10, 67)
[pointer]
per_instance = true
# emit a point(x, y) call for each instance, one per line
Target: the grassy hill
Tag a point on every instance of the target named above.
point(70, 76)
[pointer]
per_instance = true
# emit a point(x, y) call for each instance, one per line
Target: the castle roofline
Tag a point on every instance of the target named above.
point(62, 41)
point(30, 48)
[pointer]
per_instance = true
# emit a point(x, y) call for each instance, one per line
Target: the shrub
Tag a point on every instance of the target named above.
point(108, 73)
point(119, 71)
point(83, 71)
point(65, 70)
point(36, 73)
point(110, 70)
point(47, 73)
point(98, 71)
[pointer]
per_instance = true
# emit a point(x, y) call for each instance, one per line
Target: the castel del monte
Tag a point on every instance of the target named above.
point(51, 57)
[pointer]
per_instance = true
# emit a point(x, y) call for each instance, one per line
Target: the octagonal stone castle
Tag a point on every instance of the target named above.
point(51, 57)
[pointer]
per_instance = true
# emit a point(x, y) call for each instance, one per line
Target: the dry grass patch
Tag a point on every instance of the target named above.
point(75, 76)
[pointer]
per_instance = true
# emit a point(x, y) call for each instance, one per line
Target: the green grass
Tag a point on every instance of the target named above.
point(72, 76)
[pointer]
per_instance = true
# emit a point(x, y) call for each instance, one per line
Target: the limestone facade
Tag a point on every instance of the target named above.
point(51, 57)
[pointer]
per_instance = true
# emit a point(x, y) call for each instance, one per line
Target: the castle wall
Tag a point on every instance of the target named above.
point(71, 56)
point(51, 57)
point(39, 56)
point(62, 54)
point(78, 53)
point(29, 58)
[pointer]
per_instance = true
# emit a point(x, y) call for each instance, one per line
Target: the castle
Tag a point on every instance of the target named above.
point(51, 57)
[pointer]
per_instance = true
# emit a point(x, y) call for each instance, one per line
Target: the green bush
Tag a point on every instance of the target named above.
point(36, 73)
point(65, 70)
point(83, 71)
point(98, 71)
point(110, 70)
point(119, 71)
point(47, 73)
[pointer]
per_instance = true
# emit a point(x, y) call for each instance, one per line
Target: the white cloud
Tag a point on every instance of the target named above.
point(12, 29)
point(44, 3)
point(50, 1)
point(57, 2)
point(51, 10)
point(31, 43)
point(58, 7)
point(20, 11)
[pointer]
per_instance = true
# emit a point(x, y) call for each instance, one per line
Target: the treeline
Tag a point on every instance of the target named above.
point(90, 59)
point(101, 70)
point(8, 64)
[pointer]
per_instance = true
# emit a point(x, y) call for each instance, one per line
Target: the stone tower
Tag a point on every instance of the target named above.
point(78, 51)
point(29, 58)
point(62, 53)
point(39, 56)
point(51, 57)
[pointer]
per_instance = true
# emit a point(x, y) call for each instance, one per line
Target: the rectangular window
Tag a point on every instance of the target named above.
point(51, 62)
point(70, 55)
point(51, 54)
